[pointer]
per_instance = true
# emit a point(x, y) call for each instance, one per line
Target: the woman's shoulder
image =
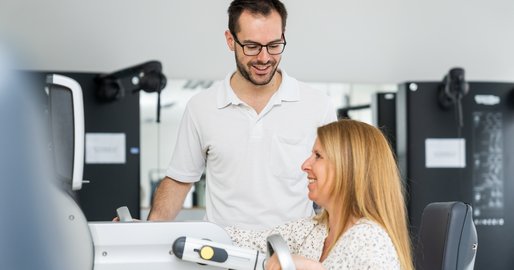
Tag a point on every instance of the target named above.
point(366, 226)
point(367, 243)
point(369, 234)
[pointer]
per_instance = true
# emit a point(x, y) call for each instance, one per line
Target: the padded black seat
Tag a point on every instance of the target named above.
point(447, 237)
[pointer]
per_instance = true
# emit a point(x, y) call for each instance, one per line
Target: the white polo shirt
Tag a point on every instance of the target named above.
point(252, 161)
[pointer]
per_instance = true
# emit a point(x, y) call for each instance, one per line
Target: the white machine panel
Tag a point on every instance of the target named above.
point(148, 245)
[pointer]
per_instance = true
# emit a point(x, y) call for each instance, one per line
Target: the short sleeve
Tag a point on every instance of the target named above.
point(188, 159)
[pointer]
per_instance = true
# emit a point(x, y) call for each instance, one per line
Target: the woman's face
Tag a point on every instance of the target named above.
point(320, 173)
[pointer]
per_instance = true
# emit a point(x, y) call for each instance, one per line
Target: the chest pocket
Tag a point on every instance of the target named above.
point(288, 154)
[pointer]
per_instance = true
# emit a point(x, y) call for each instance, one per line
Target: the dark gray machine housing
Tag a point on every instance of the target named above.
point(110, 185)
point(487, 179)
point(383, 109)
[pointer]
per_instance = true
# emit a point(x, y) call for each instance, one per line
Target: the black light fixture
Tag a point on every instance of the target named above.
point(147, 76)
point(453, 88)
point(342, 113)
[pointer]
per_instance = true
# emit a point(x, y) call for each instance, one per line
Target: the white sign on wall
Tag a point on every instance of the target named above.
point(445, 153)
point(105, 148)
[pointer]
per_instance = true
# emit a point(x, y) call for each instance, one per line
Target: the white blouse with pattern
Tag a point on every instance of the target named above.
point(366, 245)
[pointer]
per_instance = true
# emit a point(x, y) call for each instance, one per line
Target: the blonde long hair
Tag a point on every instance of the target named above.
point(366, 182)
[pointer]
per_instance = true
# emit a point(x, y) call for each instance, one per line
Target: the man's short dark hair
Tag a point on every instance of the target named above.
point(257, 7)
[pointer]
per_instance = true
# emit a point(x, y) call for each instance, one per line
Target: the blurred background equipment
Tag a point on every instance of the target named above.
point(447, 155)
point(66, 110)
point(383, 109)
point(111, 156)
point(147, 76)
point(343, 112)
point(451, 92)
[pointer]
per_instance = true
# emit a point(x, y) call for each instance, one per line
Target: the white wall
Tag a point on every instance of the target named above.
point(328, 40)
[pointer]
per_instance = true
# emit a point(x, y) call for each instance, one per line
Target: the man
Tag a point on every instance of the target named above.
point(250, 132)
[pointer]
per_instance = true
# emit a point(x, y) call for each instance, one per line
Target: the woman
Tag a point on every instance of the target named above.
point(353, 176)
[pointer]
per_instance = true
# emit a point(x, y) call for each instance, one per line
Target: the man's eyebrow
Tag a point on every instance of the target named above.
point(246, 41)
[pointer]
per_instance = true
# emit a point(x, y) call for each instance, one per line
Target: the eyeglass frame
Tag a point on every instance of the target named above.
point(261, 45)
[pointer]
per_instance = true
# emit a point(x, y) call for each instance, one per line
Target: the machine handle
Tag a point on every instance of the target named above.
point(124, 214)
point(204, 251)
point(276, 244)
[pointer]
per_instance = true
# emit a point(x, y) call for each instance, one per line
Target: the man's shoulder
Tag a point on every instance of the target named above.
point(303, 87)
point(309, 92)
point(312, 102)
point(314, 97)
point(206, 96)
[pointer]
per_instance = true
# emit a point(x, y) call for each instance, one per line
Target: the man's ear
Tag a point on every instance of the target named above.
point(230, 40)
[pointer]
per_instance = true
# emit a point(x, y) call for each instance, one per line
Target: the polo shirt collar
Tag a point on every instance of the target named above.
point(288, 91)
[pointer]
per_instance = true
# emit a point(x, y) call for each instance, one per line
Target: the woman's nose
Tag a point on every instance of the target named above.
point(306, 165)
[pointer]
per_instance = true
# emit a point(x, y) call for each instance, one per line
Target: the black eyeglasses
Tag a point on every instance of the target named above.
point(253, 49)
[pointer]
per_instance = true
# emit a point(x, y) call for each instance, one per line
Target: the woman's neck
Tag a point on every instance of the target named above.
point(333, 235)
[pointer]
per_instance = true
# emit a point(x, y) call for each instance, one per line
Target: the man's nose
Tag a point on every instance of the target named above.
point(263, 55)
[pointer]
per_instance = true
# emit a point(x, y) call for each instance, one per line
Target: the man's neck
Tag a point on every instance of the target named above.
point(242, 86)
point(256, 96)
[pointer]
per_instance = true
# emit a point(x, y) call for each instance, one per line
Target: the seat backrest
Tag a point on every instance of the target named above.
point(447, 237)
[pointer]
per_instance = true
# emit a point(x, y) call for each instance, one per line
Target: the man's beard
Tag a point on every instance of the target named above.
point(244, 70)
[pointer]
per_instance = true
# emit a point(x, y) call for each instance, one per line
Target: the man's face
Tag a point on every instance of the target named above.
point(257, 29)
